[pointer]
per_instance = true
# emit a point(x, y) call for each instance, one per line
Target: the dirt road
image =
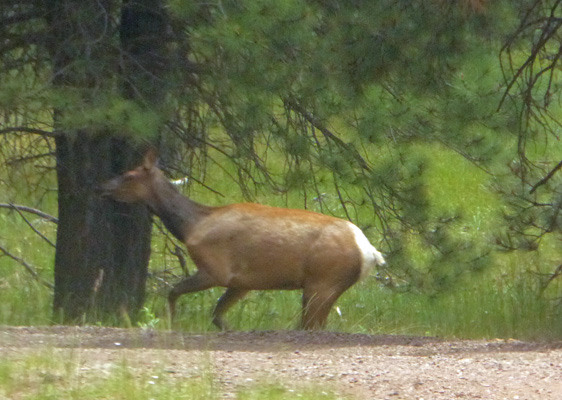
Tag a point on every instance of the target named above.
point(357, 366)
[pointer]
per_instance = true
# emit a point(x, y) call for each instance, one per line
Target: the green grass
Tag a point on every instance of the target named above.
point(503, 301)
point(61, 374)
point(476, 309)
point(23, 300)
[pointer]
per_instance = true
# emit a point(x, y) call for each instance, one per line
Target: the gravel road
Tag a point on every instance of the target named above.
point(353, 365)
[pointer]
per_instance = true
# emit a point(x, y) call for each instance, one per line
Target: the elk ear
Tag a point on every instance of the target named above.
point(150, 159)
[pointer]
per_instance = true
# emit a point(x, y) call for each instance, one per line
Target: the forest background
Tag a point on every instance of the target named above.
point(432, 125)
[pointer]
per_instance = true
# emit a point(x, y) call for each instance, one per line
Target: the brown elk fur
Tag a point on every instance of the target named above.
point(250, 246)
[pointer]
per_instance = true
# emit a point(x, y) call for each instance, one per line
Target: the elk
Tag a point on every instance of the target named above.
point(249, 246)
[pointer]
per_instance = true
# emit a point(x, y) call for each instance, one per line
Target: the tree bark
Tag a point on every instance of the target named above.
point(103, 247)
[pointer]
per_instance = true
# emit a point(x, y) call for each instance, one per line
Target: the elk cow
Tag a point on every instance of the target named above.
point(248, 246)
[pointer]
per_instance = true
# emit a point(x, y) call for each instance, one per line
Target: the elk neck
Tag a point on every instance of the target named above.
point(178, 213)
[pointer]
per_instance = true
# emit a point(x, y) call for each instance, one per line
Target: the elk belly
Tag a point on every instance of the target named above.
point(268, 262)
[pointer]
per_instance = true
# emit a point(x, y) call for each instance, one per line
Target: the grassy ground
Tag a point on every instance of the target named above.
point(502, 301)
point(48, 375)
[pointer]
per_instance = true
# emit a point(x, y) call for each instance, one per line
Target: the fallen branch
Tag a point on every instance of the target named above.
point(28, 268)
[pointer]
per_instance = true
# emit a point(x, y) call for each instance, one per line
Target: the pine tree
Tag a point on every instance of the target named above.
point(286, 96)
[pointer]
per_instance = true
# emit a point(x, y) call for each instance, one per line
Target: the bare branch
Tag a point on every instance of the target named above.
point(45, 238)
point(23, 129)
point(39, 213)
point(181, 259)
point(28, 268)
point(548, 27)
point(340, 197)
point(31, 157)
point(552, 277)
point(546, 178)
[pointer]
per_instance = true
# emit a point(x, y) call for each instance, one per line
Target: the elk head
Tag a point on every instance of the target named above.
point(135, 185)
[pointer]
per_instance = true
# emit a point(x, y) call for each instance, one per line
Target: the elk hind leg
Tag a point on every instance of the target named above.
point(317, 305)
point(227, 300)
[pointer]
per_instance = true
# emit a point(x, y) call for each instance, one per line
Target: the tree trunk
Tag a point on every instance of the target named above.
point(103, 247)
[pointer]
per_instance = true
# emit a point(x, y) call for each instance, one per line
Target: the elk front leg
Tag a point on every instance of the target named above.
point(227, 300)
point(195, 283)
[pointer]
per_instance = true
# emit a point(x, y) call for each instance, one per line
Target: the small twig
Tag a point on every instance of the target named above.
point(23, 129)
point(159, 279)
point(340, 197)
point(39, 213)
point(97, 285)
point(181, 258)
point(552, 277)
point(45, 238)
point(28, 268)
point(546, 178)
point(22, 159)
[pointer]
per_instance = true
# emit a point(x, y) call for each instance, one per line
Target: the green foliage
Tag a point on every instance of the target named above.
point(383, 112)
point(108, 112)
point(532, 190)
point(342, 93)
point(318, 98)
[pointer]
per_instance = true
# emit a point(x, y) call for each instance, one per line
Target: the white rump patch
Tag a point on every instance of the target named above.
point(370, 257)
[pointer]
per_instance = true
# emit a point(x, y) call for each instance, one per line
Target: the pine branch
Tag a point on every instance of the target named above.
point(328, 134)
